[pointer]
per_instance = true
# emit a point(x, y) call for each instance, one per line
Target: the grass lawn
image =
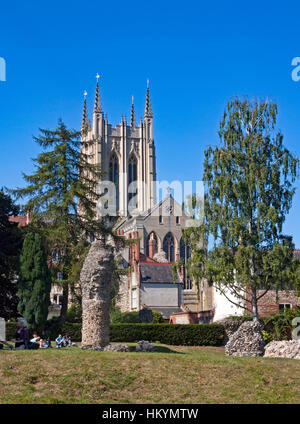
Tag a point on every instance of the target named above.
point(171, 375)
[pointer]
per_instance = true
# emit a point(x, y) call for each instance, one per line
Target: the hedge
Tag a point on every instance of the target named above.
point(172, 334)
point(11, 328)
point(278, 327)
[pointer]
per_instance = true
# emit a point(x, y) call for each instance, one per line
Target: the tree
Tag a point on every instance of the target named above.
point(34, 282)
point(249, 190)
point(62, 194)
point(10, 247)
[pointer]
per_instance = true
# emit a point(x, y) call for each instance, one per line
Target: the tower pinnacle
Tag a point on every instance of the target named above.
point(148, 109)
point(97, 105)
point(85, 120)
point(132, 116)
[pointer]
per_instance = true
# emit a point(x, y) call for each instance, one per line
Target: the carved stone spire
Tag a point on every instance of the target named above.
point(85, 119)
point(97, 105)
point(132, 116)
point(148, 109)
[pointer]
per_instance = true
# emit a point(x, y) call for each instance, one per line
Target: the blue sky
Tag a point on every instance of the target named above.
point(197, 57)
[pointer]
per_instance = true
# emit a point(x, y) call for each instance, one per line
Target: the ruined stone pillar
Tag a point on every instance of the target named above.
point(95, 279)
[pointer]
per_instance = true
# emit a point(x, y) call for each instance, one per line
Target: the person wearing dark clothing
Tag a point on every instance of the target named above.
point(22, 336)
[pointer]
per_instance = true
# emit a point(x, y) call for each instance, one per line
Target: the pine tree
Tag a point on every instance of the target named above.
point(10, 247)
point(34, 282)
point(249, 190)
point(62, 195)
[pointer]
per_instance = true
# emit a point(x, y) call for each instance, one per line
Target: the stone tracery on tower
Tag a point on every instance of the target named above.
point(133, 149)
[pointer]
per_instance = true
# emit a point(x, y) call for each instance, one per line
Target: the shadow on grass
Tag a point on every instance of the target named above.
point(132, 346)
point(159, 349)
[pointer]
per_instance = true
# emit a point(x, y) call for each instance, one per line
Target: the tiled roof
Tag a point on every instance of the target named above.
point(157, 273)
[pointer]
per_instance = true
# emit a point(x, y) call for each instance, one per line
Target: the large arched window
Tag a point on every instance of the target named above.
point(152, 235)
point(168, 247)
point(114, 175)
point(185, 254)
point(132, 173)
point(185, 251)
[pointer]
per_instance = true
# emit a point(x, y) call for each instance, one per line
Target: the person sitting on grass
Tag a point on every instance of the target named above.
point(59, 341)
point(46, 343)
point(21, 339)
point(35, 342)
point(2, 342)
point(67, 340)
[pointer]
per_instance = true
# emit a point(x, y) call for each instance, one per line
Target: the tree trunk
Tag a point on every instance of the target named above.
point(252, 272)
point(254, 305)
point(65, 299)
point(95, 279)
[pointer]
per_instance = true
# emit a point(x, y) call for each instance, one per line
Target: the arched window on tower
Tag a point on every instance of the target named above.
point(114, 175)
point(185, 254)
point(132, 174)
point(168, 247)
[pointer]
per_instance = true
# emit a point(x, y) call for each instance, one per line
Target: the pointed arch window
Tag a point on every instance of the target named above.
point(132, 174)
point(114, 175)
point(168, 247)
point(185, 251)
point(185, 254)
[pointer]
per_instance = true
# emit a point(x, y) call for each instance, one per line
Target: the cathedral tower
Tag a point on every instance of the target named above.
point(125, 154)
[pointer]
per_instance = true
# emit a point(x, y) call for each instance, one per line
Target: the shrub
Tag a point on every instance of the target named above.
point(172, 334)
point(73, 330)
point(157, 317)
point(118, 317)
point(241, 318)
point(53, 327)
point(279, 326)
point(74, 313)
point(267, 336)
point(11, 328)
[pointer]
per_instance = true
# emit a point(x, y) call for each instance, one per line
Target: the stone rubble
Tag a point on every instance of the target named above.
point(109, 348)
point(246, 341)
point(117, 348)
point(144, 346)
point(283, 349)
point(230, 327)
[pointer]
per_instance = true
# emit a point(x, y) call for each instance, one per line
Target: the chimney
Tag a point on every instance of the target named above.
point(130, 249)
point(152, 246)
point(137, 246)
point(28, 217)
point(182, 274)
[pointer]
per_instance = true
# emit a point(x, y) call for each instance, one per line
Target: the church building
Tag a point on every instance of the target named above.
point(126, 157)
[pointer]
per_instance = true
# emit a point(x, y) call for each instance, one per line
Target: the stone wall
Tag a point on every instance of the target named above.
point(269, 303)
point(283, 349)
point(123, 297)
point(246, 341)
point(230, 326)
point(2, 330)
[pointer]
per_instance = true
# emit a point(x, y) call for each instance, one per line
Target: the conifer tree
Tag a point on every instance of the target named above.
point(34, 282)
point(62, 195)
point(10, 247)
point(249, 190)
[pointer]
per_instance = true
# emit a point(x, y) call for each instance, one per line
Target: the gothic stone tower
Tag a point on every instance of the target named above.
point(125, 154)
